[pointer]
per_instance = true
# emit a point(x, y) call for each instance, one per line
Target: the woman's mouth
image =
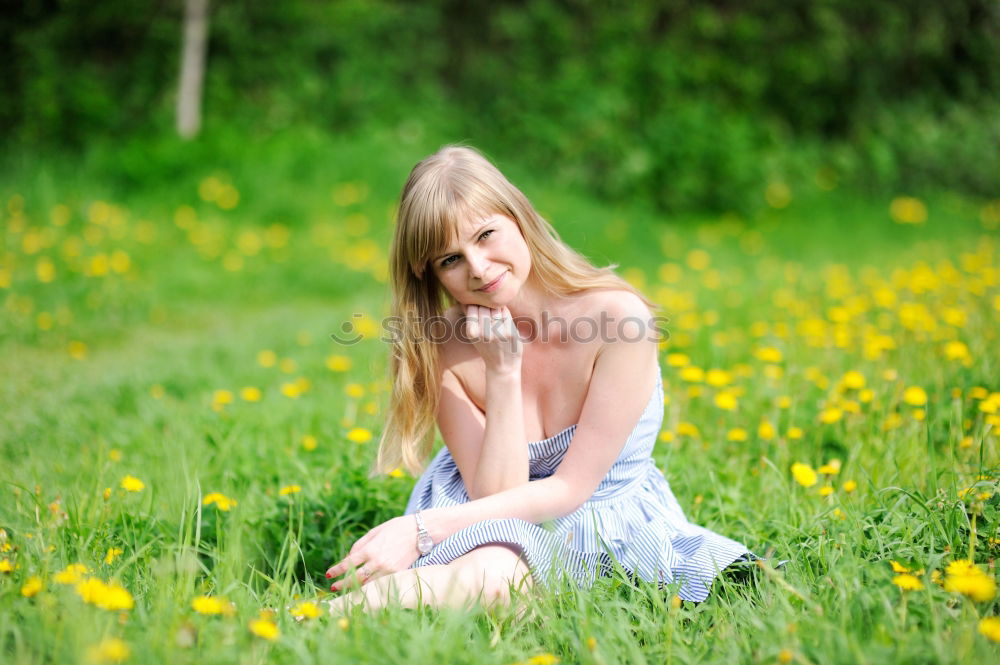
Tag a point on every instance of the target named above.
point(495, 284)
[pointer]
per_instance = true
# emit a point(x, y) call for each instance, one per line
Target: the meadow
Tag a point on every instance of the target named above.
point(184, 448)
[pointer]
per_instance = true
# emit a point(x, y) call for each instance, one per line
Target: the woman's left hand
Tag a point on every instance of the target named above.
point(388, 548)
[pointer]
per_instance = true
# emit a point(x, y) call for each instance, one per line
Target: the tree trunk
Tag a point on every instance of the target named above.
point(192, 67)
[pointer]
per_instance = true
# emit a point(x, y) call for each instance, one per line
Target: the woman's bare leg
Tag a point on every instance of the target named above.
point(484, 575)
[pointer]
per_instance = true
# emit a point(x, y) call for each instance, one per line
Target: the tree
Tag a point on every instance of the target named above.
point(192, 67)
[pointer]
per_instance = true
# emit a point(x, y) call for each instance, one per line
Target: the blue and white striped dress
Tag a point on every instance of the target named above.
point(632, 518)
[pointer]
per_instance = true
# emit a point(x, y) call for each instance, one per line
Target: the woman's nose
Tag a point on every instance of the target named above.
point(477, 264)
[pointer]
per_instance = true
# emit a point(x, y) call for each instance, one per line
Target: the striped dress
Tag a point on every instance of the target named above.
point(632, 519)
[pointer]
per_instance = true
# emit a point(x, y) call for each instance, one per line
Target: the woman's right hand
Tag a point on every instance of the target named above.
point(493, 333)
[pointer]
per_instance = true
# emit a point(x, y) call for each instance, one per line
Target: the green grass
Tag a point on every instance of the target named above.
point(116, 374)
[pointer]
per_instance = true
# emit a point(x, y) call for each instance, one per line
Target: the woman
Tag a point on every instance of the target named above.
point(542, 376)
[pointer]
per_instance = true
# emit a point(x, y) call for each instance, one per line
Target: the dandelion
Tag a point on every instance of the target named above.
point(222, 397)
point(678, 360)
point(72, 574)
point(990, 628)
point(265, 628)
point(354, 390)
point(769, 354)
point(853, 380)
point(908, 582)
point(897, 567)
point(338, 363)
point(737, 434)
point(108, 596)
point(964, 577)
point(692, 374)
point(765, 431)
point(31, 587)
point(359, 435)
point(113, 553)
point(794, 433)
point(132, 484)
point(826, 490)
point(250, 394)
point(688, 429)
point(343, 623)
point(221, 501)
point(212, 605)
point(291, 390)
point(785, 656)
point(830, 415)
point(718, 378)
point(309, 442)
point(110, 650)
point(726, 401)
point(267, 358)
point(396, 473)
point(289, 489)
point(804, 474)
point(6, 566)
point(543, 659)
point(831, 468)
point(908, 210)
point(107, 493)
point(915, 396)
point(306, 610)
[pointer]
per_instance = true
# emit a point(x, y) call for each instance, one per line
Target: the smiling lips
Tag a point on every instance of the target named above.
point(494, 285)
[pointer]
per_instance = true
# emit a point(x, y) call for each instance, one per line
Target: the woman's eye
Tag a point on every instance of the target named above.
point(448, 260)
point(486, 234)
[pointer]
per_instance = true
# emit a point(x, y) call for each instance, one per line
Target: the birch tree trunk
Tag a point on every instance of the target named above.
point(192, 67)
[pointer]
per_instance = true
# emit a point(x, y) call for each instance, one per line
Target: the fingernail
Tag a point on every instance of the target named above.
point(328, 576)
point(333, 587)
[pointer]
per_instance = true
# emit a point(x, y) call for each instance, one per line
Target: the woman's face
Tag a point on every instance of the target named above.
point(487, 264)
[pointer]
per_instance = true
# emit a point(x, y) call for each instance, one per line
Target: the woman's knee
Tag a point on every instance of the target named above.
point(491, 570)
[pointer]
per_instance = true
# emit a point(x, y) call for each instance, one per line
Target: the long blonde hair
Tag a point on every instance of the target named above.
point(455, 183)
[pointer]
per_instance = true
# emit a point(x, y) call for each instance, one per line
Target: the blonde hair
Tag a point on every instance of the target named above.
point(453, 184)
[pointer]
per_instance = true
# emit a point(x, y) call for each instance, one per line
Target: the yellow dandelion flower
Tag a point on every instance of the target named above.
point(72, 574)
point(113, 553)
point(359, 435)
point(866, 395)
point(115, 455)
point(396, 473)
point(692, 374)
point(908, 210)
point(897, 567)
point(222, 397)
point(688, 429)
point(978, 586)
point(250, 394)
point(543, 659)
point(794, 433)
point(718, 378)
point(32, 586)
point(769, 354)
point(831, 468)
point(343, 623)
point(956, 350)
point(309, 442)
point(291, 390)
point(785, 656)
point(804, 474)
point(666, 436)
point(726, 401)
point(591, 643)
point(677, 360)
point(990, 628)
point(765, 430)
point(110, 650)
point(132, 484)
point(221, 501)
point(826, 490)
point(287, 365)
point(784, 402)
point(961, 567)
point(915, 396)
point(265, 628)
point(853, 380)
point(306, 610)
point(737, 434)
point(338, 363)
point(830, 415)
point(6, 566)
point(267, 358)
point(289, 489)
point(850, 486)
point(212, 605)
point(839, 514)
point(907, 582)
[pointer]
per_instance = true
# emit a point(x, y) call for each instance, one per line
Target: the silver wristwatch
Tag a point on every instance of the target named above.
point(424, 542)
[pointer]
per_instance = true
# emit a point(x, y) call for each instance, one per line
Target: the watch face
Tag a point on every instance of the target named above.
point(425, 544)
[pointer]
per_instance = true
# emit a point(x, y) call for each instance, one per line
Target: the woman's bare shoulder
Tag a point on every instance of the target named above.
point(615, 302)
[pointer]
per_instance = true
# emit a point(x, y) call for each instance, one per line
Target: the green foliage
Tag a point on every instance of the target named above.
point(683, 105)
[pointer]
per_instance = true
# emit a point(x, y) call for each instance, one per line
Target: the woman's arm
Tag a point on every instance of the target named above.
point(623, 378)
point(491, 452)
